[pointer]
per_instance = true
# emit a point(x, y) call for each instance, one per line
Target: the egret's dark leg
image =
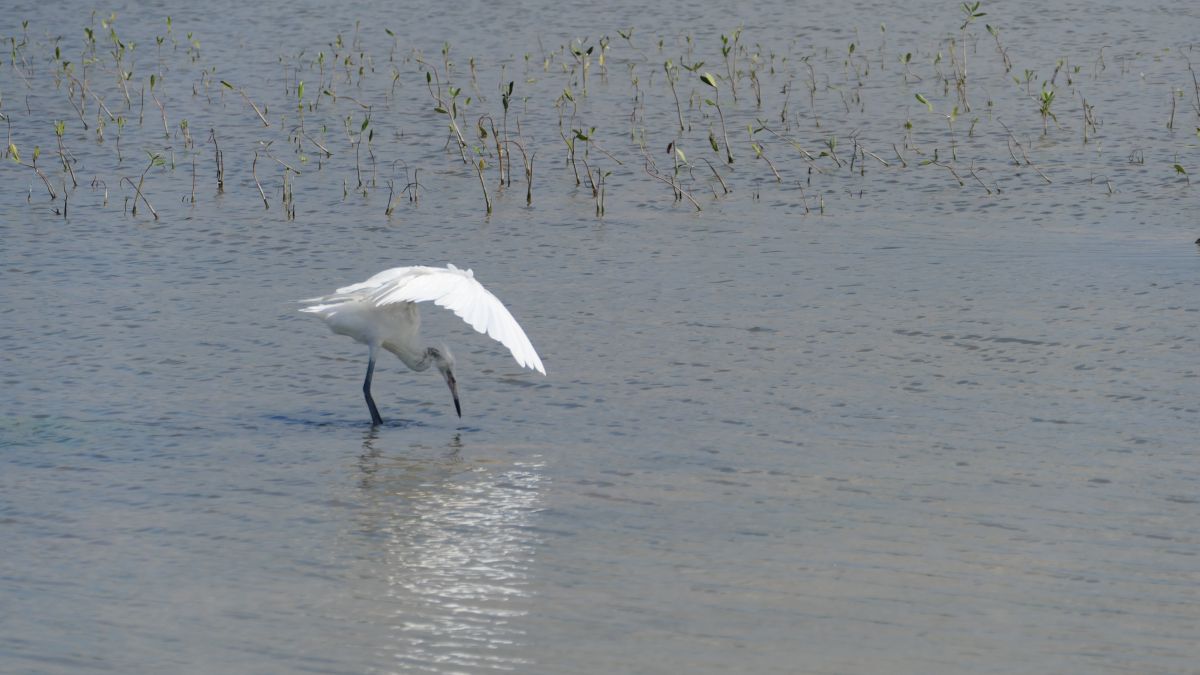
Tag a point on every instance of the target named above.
point(375, 418)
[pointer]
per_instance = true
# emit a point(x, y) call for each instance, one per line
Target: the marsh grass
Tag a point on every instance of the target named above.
point(346, 107)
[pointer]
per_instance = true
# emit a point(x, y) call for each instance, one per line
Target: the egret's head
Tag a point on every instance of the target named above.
point(444, 361)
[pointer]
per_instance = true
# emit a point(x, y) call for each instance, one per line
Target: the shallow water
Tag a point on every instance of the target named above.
point(930, 430)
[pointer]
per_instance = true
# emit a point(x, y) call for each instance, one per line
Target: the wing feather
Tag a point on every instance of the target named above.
point(458, 291)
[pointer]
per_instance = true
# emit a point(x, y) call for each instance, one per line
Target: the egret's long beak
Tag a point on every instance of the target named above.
point(453, 384)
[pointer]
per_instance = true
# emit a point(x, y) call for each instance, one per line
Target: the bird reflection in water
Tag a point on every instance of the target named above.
point(456, 543)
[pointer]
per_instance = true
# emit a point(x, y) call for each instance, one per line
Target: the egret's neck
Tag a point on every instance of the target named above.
point(416, 357)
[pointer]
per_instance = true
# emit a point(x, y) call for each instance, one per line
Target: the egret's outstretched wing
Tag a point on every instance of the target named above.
point(458, 291)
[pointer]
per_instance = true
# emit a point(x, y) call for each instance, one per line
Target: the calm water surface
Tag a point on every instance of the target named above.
point(931, 430)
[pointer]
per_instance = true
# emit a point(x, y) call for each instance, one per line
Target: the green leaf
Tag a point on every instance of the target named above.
point(226, 84)
point(13, 154)
point(1179, 169)
point(925, 101)
point(708, 79)
point(439, 109)
point(679, 153)
point(300, 91)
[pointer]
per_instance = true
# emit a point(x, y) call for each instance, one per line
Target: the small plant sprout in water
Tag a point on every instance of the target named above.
point(935, 162)
point(37, 152)
point(246, 98)
point(950, 119)
point(59, 129)
point(568, 140)
point(584, 58)
point(1044, 102)
point(1089, 120)
point(995, 33)
point(759, 152)
point(450, 109)
point(1028, 77)
point(906, 60)
point(831, 151)
point(729, 51)
point(970, 13)
point(707, 78)
point(155, 160)
point(672, 75)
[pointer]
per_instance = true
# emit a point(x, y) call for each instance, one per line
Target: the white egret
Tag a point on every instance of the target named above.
point(382, 312)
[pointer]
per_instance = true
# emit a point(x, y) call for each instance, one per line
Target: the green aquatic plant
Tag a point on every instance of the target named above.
point(218, 159)
point(672, 75)
point(583, 57)
point(906, 61)
point(155, 160)
point(1089, 120)
point(60, 128)
point(831, 150)
point(970, 14)
point(448, 108)
point(707, 78)
point(759, 152)
point(246, 98)
point(568, 139)
point(15, 156)
point(1045, 100)
point(120, 127)
point(935, 162)
point(627, 36)
point(502, 156)
point(729, 51)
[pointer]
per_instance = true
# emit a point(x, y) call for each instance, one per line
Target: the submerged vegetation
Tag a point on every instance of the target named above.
point(364, 109)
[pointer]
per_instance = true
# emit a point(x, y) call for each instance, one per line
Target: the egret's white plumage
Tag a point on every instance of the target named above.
point(382, 312)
